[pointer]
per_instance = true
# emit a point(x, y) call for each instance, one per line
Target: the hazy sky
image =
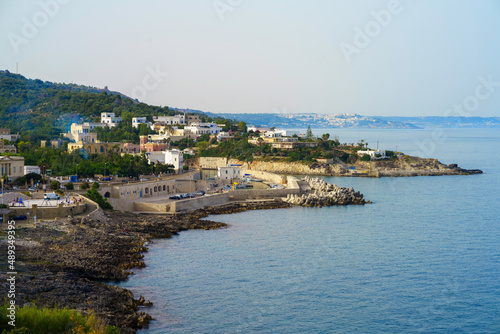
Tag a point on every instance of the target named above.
point(368, 57)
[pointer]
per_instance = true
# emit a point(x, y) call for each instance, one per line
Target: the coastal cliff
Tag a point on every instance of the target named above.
point(400, 166)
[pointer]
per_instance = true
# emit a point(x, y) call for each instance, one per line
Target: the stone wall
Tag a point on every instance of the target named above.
point(60, 211)
point(242, 195)
point(151, 207)
point(212, 162)
point(198, 202)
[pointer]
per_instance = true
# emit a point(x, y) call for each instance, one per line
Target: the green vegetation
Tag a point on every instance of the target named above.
point(34, 320)
point(42, 110)
point(365, 157)
point(63, 163)
point(26, 179)
point(239, 148)
point(54, 185)
point(94, 195)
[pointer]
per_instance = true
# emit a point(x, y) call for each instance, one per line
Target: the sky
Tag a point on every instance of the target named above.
point(386, 58)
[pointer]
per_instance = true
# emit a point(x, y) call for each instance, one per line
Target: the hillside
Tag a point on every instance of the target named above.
point(45, 109)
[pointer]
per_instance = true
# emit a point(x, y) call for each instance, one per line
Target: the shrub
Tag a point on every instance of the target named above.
point(31, 319)
point(94, 195)
point(70, 186)
point(365, 157)
point(84, 186)
point(54, 185)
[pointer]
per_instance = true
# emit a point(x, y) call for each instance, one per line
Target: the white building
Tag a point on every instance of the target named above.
point(224, 136)
point(170, 120)
point(229, 172)
point(256, 128)
point(287, 133)
point(109, 119)
point(174, 157)
point(32, 169)
point(136, 121)
point(199, 129)
point(373, 154)
point(272, 134)
point(156, 157)
point(169, 157)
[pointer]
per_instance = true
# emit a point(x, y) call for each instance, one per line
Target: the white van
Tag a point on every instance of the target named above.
point(49, 196)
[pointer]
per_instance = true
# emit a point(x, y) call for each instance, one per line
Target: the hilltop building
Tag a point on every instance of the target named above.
point(109, 119)
point(82, 132)
point(198, 129)
point(170, 120)
point(136, 121)
point(5, 134)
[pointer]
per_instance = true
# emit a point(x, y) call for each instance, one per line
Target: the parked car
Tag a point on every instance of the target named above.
point(106, 179)
point(175, 197)
point(32, 189)
point(21, 217)
point(200, 193)
point(63, 187)
point(50, 196)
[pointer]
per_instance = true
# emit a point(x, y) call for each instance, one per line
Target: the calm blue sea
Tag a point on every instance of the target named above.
point(423, 258)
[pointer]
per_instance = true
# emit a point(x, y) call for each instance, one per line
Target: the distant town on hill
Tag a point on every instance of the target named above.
point(303, 120)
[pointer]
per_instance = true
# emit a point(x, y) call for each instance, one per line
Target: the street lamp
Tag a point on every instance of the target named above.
point(104, 175)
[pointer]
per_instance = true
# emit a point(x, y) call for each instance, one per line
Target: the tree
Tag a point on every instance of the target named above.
point(242, 126)
point(70, 186)
point(365, 157)
point(94, 195)
point(309, 133)
point(325, 136)
point(54, 185)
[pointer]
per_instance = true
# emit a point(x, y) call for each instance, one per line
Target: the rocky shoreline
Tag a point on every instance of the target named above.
point(69, 266)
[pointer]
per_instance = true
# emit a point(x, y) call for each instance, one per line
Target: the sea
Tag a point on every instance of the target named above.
point(423, 258)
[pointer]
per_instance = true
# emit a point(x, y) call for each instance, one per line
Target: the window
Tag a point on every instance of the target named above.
point(14, 170)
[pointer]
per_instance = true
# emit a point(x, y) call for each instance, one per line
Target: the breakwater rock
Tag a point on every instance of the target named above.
point(321, 193)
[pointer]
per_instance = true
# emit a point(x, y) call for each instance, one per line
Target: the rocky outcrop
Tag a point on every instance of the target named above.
point(415, 166)
point(322, 193)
